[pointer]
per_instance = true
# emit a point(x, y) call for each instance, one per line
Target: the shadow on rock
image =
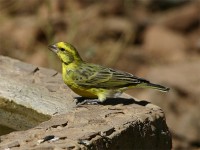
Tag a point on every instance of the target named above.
point(114, 101)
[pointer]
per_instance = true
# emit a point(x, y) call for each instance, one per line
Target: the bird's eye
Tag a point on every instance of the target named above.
point(62, 49)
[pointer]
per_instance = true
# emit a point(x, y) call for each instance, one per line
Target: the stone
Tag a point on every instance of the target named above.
point(121, 123)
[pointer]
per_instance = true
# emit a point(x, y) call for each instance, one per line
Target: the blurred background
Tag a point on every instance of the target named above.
point(155, 39)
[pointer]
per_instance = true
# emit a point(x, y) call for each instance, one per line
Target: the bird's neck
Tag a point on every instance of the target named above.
point(67, 69)
point(71, 64)
point(69, 59)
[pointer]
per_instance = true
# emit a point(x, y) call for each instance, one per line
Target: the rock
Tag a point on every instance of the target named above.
point(122, 127)
point(122, 123)
point(182, 103)
point(33, 87)
point(163, 45)
point(30, 95)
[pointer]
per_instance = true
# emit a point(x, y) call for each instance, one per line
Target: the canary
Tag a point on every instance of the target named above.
point(95, 81)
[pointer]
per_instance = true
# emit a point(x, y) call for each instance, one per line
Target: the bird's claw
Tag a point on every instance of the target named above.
point(89, 102)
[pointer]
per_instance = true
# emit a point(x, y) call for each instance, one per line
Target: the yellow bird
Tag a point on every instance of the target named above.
point(95, 81)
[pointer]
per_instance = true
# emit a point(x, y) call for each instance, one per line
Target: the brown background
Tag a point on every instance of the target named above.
point(155, 39)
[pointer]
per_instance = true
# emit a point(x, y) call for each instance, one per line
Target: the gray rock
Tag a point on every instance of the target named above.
point(31, 94)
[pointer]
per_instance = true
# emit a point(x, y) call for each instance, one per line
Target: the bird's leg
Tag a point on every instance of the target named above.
point(88, 101)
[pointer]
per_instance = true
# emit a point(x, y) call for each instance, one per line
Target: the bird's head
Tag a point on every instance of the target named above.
point(66, 52)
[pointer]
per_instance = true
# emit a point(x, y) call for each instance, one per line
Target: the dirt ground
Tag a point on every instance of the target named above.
point(155, 39)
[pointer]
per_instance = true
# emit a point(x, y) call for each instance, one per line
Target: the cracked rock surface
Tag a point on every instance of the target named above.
point(122, 123)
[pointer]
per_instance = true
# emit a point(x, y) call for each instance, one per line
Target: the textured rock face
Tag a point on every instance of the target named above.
point(33, 87)
point(131, 126)
point(123, 123)
point(29, 95)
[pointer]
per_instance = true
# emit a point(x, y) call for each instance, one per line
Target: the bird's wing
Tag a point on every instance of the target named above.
point(95, 76)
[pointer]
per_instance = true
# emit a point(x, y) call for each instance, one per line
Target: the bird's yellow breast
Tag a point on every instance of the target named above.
point(84, 93)
point(89, 93)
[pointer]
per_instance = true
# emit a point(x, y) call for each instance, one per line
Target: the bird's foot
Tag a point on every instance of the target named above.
point(89, 102)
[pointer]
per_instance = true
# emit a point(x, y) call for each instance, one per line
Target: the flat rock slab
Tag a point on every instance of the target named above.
point(122, 123)
point(40, 89)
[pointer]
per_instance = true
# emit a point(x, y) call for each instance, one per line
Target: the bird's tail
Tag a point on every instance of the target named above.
point(153, 86)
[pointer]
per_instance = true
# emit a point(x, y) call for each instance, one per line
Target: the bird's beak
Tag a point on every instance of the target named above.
point(53, 48)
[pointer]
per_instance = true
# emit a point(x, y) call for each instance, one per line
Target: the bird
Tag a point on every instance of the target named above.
point(95, 82)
